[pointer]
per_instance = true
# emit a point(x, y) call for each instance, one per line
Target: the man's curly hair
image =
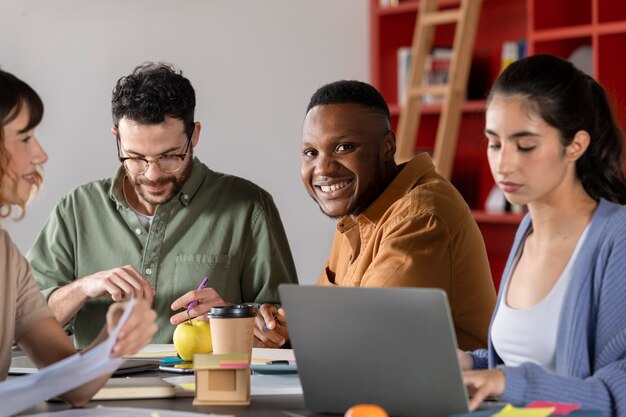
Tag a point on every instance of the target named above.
point(153, 92)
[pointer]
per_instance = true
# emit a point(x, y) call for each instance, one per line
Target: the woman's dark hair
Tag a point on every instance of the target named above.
point(15, 94)
point(570, 101)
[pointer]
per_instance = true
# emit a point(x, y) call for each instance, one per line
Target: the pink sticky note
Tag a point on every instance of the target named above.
point(561, 409)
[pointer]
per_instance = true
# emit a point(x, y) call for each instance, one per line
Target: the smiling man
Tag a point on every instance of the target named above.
point(398, 225)
point(161, 223)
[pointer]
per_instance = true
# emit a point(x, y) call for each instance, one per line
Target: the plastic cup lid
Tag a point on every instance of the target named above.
point(236, 311)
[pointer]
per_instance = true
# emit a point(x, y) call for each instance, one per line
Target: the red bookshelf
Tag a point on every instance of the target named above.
point(558, 27)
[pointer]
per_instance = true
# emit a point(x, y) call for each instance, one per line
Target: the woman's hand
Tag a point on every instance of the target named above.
point(138, 330)
point(465, 360)
point(483, 383)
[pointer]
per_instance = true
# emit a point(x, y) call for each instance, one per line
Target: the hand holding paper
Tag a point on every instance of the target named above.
point(126, 337)
point(136, 332)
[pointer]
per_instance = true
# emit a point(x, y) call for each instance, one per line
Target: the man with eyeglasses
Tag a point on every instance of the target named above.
point(397, 225)
point(161, 224)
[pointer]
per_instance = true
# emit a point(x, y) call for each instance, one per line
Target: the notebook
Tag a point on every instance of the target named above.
point(23, 365)
point(135, 387)
point(394, 347)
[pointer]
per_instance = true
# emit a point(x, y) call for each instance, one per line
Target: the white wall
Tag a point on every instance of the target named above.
point(254, 65)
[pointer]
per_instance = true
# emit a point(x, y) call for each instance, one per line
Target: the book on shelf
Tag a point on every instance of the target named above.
point(436, 71)
point(511, 52)
point(404, 66)
point(388, 3)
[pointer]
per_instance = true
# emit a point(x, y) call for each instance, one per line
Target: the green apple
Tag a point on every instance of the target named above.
point(192, 336)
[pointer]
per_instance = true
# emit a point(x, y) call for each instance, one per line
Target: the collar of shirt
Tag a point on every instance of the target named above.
point(409, 175)
point(198, 174)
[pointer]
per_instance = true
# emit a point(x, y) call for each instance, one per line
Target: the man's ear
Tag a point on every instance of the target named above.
point(114, 131)
point(196, 134)
point(389, 146)
point(579, 145)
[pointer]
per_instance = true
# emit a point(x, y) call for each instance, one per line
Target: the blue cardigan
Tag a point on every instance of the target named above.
point(591, 344)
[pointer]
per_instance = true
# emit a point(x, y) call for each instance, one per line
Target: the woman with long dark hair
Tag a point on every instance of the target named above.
point(559, 328)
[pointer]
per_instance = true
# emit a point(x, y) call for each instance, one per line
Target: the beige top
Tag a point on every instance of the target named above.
point(419, 233)
point(21, 303)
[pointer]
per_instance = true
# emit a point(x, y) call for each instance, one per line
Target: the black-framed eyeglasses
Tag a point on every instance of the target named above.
point(167, 163)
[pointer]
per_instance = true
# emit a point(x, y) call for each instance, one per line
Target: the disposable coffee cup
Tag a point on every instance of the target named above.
point(232, 328)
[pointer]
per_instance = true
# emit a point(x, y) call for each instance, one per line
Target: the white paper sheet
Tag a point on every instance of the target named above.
point(126, 411)
point(20, 393)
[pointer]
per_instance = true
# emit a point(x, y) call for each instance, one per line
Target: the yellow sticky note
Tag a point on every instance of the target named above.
point(510, 411)
point(189, 387)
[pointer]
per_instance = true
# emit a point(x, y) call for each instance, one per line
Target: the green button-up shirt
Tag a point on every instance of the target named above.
point(218, 226)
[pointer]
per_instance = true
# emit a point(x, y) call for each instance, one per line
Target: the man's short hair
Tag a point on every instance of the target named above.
point(350, 92)
point(153, 92)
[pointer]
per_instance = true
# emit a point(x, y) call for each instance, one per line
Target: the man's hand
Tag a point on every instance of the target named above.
point(207, 298)
point(120, 283)
point(138, 330)
point(484, 383)
point(270, 328)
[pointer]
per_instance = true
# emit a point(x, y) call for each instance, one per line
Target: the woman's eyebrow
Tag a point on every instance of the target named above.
point(516, 135)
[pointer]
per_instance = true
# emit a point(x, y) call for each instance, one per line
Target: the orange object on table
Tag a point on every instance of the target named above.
point(366, 410)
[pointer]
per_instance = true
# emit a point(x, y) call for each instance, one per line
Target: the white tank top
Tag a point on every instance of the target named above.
point(530, 334)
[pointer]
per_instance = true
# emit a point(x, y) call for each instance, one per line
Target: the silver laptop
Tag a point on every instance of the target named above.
point(394, 347)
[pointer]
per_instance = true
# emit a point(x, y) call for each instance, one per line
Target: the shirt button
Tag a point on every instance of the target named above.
point(148, 271)
point(186, 196)
point(138, 231)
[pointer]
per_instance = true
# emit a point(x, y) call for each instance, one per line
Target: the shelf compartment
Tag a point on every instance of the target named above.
point(562, 48)
point(499, 21)
point(395, 31)
point(547, 14)
point(610, 75)
point(611, 11)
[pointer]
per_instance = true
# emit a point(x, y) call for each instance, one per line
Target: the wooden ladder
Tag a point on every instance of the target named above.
point(453, 92)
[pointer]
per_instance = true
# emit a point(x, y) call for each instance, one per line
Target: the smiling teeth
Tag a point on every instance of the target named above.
point(334, 187)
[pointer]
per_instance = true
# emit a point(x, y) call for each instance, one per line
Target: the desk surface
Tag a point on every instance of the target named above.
point(260, 405)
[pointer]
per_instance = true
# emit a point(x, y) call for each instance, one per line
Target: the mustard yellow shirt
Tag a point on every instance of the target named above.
point(419, 233)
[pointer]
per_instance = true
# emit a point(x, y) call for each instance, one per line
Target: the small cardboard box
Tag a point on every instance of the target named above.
point(222, 379)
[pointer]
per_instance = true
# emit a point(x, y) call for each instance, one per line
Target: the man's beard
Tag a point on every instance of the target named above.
point(177, 182)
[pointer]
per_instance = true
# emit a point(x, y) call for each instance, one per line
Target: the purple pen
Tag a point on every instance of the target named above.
point(201, 286)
